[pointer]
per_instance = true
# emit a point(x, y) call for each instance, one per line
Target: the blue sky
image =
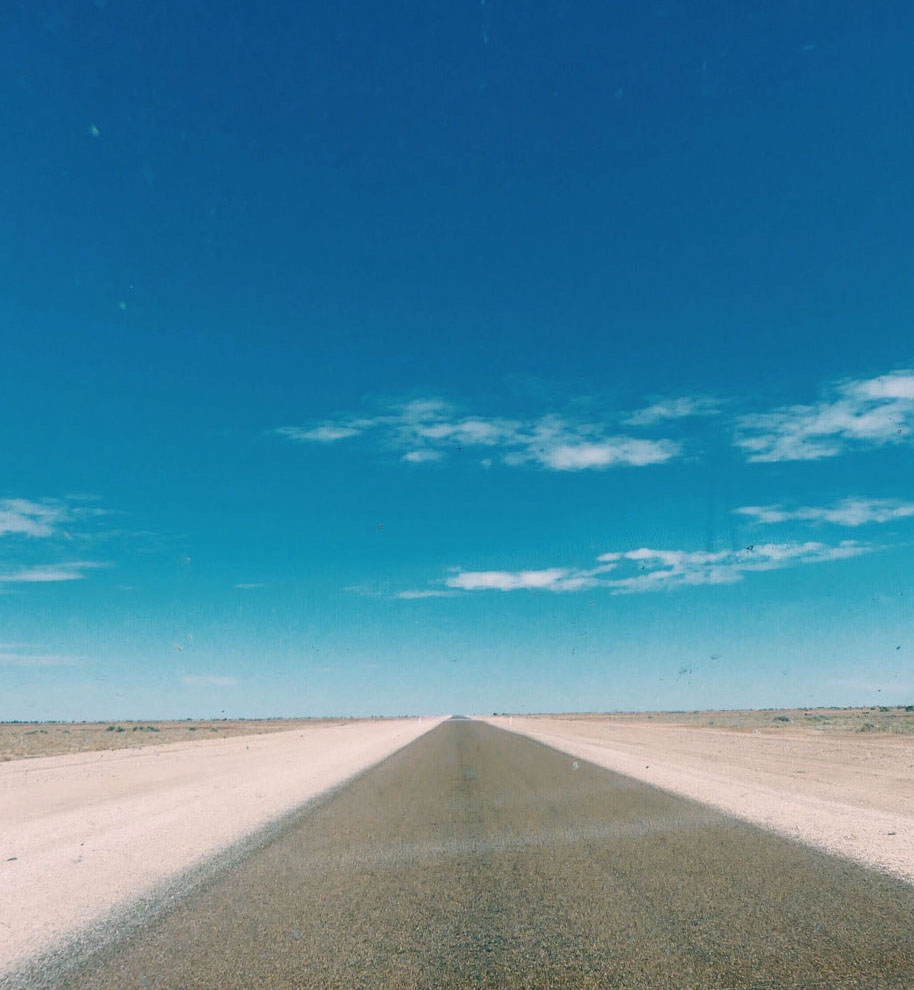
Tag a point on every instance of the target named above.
point(492, 356)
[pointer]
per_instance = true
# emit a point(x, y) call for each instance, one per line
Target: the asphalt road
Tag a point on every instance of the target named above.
point(475, 858)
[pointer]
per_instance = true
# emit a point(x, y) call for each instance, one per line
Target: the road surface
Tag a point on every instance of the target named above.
point(475, 858)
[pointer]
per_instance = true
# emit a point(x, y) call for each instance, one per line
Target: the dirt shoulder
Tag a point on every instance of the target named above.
point(83, 832)
point(850, 793)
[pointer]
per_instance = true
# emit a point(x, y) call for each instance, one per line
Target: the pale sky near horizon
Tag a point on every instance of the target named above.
point(488, 357)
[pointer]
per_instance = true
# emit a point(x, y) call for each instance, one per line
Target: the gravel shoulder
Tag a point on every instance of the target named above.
point(83, 833)
point(847, 793)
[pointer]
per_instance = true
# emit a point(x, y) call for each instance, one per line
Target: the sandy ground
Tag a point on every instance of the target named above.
point(83, 833)
point(845, 793)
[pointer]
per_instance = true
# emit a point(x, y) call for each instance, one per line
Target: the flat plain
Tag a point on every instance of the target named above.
point(30, 740)
point(25, 740)
point(896, 719)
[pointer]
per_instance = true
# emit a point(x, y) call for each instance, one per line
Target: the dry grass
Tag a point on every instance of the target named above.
point(899, 719)
point(22, 740)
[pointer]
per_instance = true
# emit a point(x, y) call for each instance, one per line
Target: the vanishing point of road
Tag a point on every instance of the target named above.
point(475, 858)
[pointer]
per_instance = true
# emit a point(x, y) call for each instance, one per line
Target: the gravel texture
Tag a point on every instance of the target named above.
point(476, 858)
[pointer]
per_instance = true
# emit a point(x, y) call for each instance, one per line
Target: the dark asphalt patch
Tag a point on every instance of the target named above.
point(474, 858)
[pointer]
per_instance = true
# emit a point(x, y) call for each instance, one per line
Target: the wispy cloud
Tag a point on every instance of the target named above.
point(29, 518)
point(34, 530)
point(682, 407)
point(648, 569)
point(37, 659)
point(48, 517)
point(248, 585)
point(548, 579)
point(427, 430)
point(208, 680)
point(327, 432)
point(425, 594)
point(40, 574)
point(850, 414)
point(852, 511)
point(661, 569)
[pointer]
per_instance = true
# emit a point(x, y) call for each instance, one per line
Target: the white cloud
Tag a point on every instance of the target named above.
point(426, 430)
point(422, 456)
point(208, 680)
point(550, 579)
point(40, 574)
point(469, 432)
point(319, 434)
point(679, 408)
point(850, 511)
point(612, 451)
point(23, 516)
point(650, 569)
point(248, 585)
point(853, 413)
point(895, 385)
